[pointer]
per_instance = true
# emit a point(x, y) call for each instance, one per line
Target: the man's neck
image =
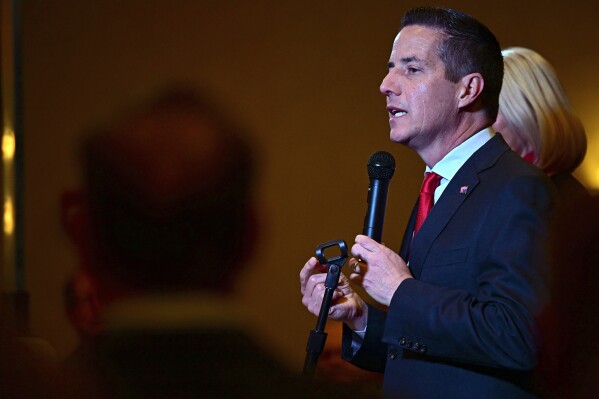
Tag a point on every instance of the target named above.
point(444, 143)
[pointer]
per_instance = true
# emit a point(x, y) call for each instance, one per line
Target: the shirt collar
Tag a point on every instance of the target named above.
point(456, 158)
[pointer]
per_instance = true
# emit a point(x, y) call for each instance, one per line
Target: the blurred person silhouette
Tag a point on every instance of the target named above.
point(537, 121)
point(26, 372)
point(169, 226)
point(569, 361)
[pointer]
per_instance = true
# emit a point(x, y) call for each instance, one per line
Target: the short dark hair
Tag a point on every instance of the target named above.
point(168, 189)
point(468, 47)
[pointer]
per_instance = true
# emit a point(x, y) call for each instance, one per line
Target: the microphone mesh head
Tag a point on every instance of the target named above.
point(381, 166)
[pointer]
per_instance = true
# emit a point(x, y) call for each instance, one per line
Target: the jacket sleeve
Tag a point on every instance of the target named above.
point(372, 352)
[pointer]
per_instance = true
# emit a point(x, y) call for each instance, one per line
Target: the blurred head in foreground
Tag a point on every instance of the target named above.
point(168, 198)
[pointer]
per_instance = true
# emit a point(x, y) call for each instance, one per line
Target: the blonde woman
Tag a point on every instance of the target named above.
point(537, 121)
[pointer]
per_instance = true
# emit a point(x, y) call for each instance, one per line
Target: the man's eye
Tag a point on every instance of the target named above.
point(413, 70)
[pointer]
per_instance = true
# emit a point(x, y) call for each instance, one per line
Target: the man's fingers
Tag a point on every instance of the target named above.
point(308, 270)
point(356, 278)
point(367, 243)
point(360, 253)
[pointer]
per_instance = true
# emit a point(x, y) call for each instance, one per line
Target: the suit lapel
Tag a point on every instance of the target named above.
point(454, 195)
point(440, 215)
point(404, 250)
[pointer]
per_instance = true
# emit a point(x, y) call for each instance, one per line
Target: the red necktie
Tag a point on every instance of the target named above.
point(426, 198)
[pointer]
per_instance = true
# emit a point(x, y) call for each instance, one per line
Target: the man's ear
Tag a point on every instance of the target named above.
point(73, 214)
point(470, 88)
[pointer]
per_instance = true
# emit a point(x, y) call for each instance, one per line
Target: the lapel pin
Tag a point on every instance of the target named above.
point(463, 189)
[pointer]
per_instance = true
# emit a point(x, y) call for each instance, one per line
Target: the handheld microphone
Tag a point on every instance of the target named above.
point(381, 166)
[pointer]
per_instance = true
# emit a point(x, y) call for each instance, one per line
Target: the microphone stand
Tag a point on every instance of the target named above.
point(318, 336)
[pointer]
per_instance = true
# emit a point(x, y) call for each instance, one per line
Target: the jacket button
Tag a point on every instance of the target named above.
point(409, 344)
point(416, 346)
point(422, 349)
point(393, 354)
point(402, 341)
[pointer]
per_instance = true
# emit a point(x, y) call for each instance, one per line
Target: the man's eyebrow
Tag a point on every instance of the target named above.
point(413, 58)
point(405, 60)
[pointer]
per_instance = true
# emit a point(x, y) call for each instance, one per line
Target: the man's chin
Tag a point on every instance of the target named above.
point(398, 138)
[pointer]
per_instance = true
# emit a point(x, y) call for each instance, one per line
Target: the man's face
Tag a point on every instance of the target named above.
point(422, 104)
point(85, 313)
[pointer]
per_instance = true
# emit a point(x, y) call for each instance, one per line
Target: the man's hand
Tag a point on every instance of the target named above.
point(381, 270)
point(346, 306)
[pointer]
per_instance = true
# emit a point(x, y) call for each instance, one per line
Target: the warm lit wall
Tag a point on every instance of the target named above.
point(303, 76)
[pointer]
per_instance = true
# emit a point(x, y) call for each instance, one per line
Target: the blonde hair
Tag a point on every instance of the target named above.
point(537, 109)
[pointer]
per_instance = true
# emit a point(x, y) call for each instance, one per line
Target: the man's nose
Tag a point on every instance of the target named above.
point(389, 85)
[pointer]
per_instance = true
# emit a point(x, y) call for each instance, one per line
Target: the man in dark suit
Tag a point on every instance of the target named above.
point(460, 300)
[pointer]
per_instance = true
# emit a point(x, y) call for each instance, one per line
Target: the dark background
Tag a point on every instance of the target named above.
point(302, 76)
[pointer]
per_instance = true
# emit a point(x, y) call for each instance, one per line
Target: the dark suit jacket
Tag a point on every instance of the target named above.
point(209, 363)
point(464, 326)
point(569, 189)
point(186, 345)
